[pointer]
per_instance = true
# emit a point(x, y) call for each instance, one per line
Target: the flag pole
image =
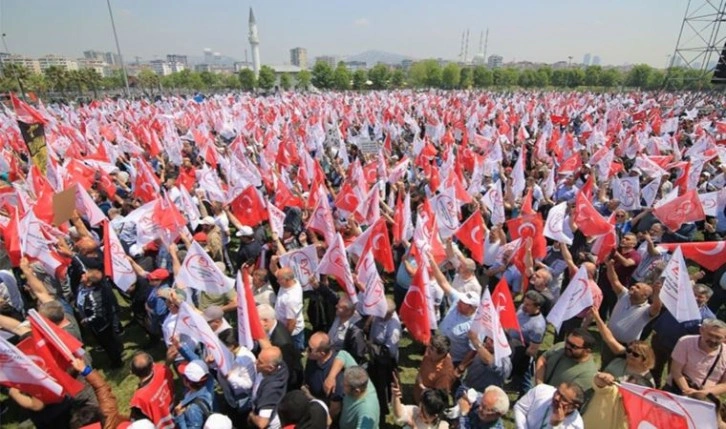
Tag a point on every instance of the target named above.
point(118, 50)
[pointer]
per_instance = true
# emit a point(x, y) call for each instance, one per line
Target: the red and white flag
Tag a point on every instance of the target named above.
point(276, 218)
point(375, 237)
point(588, 220)
point(335, 264)
point(414, 310)
point(87, 207)
point(190, 209)
point(713, 201)
point(494, 202)
point(115, 264)
point(627, 191)
point(677, 293)
point(19, 371)
point(304, 263)
point(471, 234)
point(653, 408)
point(486, 323)
point(249, 207)
point(198, 271)
point(555, 225)
point(249, 326)
point(503, 302)
point(686, 208)
point(403, 225)
point(192, 323)
point(374, 297)
point(650, 192)
point(321, 221)
point(711, 255)
point(574, 299)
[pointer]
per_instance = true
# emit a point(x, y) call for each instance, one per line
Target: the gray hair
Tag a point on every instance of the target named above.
point(535, 297)
point(470, 264)
point(501, 402)
point(702, 289)
point(357, 378)
point(713, 323)
point(265, 311)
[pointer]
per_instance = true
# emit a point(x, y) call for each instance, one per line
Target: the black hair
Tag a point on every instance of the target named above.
point(434, 401)
point(587, 338)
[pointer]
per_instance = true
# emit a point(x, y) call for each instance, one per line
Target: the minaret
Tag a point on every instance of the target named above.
point(254, 44)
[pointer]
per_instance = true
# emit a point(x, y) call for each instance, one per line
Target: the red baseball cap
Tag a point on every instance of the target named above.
point(158, 274)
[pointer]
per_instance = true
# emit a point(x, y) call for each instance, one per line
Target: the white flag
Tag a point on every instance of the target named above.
point(486, 323)
point(374, 297)
point(123, 273)
point(627, 190)
point(650, 191)
point(518, 180)
point(188, 208)
point(304, 263)
point(573, 300)
point(446, 208)
point(677, 292)
point(243, 321)
point(335, 263)
point(198, 271)
point(209, 183)
point(17, 368)
point(494, 202)
point(555, 225)
point(87, 207)
point(277, 219)
point(191, 323)
point(711, 202)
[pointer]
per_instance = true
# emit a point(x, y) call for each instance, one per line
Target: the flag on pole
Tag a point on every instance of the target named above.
point(198, 271)
point(115, 264)
point(555, 225)
point(471, 235)
point(374, 297)
point(249, 325)
point(304, 263)
point(32, 128)
point(574, 299)
point(191, 323)
point(677, 293)
point(487, 323)
point(711, 255)
point(653, 408)
point(19, 371)
point(414, 310)
point(335, 264)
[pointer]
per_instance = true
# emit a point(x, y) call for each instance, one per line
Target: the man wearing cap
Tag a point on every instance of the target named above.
point(197, 404)
point(214, 315)
point(457, 322)
point(155, 393)
point(249, 247)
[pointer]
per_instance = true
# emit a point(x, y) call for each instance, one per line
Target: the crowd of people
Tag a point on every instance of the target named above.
point(244, 235)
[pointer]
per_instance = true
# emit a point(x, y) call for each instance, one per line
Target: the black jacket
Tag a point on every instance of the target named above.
point(280, 337)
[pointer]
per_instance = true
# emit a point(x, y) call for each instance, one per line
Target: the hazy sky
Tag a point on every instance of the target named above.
point(619, 31)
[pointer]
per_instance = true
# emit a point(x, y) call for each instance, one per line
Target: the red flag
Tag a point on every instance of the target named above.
point(676, 212)
point(11, 238)
point(167, 215)
point(471, 235)
point(63, 346)
point(381, 245)
point(571, 164)
point(347, 199)
point(107, 255)
point(25, 113)
point(640, 409)
point(529, 226)
point(80, 173)
point(527, 203)
point(36, 347)
point(503, 302)
point(586, 189)
point(285, 198)
point(249, 208)
point(588, 220)
point(711, 255)
point(255, 325)
point(414, 310)
point(29, 375)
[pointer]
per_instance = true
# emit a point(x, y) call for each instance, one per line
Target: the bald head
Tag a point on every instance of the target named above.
point(269, 360)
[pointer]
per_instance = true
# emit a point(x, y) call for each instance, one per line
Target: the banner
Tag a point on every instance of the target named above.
point(304, 263)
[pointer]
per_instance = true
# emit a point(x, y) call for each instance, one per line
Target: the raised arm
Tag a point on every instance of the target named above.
point(439, 276)
point(618, 287)
point(606, 334)
point(36, 286)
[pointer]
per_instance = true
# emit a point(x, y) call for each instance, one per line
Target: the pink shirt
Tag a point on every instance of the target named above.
point(696, 362)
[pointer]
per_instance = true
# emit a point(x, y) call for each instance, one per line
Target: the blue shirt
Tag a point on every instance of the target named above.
point(533, 327)
point(671, 330)
point(455, 327)
point(193, 416)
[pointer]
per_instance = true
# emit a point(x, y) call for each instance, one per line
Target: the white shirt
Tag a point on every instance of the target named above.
point(533, 411)
point(264, 295)
point(241, 377)
point(289, 305)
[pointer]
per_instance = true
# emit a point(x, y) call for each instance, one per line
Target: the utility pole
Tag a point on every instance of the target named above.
point(118, 50)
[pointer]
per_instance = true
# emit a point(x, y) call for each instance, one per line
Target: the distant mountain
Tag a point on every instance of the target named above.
point(373, 57)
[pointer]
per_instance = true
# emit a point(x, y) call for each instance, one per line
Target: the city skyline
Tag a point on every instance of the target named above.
point(617, 32)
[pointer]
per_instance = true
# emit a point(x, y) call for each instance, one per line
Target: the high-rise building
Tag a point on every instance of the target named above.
point(112, 59)
point(299, 57)
point(330, 60)
point(160, 67)
point(217, 58)
point(254, 44)
point(31, 64)
point(176, 58)
point(495, 61)
point(586, 60)
point(208, 56)
point(596, 60)
point(66, 64)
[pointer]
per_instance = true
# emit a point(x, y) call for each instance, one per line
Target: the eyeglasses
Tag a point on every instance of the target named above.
point(571, 345)
point(633, 353)
point(560, 398)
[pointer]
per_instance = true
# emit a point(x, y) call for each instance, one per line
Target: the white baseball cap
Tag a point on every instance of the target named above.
point(245, 231)
point(196, 370)
point(469, 298)
point(142, 424)
point(218, 421)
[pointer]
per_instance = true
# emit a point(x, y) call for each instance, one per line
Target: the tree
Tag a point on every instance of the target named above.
point(76, 80)
point(209, 79)
point(592, 75)
point(303, 80)
point(398, 79)
point(483, 77)
point(149, 81)
point(378, 75)
point(576, 77)
point(17, 73)
point(510, 76)
point(247, 80)
point(559, 78)
point(341, 77)
point(465, 78)
point(359, 79)
point(322, 75)
point(610, 78)
point(57, 79)
point(542, 77)
point(266, 79)
point(638, 76)
point(450, 76)
point(655, 79)
point(37, 83)
point(426, 73)
point(92, 79)
point(285, 82)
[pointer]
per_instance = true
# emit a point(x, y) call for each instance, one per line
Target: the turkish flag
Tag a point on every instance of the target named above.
point(414, 310)
point(106, 184)
point(529, 226)
point(588, 220)
point(571, 164)
point(285, 198)
point(167, 216)
point(676, 212)
point(80, 173)
point(471, 235)
point(527, 203)
point(249, 208)
point(347, 199)
point(380, 245)
point(641, 409)
point(503, 302)
point(711, 255)
point(370, 173)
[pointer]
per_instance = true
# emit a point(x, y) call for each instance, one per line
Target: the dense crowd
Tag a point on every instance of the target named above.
point(281, 247)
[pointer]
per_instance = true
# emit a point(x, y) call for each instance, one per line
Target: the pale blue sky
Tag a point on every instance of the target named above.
point(619, 31)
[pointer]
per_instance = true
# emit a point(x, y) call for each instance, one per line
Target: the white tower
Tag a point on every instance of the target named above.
point(254, 44)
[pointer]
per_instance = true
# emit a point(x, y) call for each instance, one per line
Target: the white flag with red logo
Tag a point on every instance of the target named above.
point(115, 264)
point(17, 370)
point(652, 408)
point(335, 264)
point(276, 218)
point(627, 191)
point(712, 202)
point(87, 207)
point(494, 202)
point(321, 221)
point(198, 271)
point(446, 207)
point(374, 297)
point(555, 225)
point(686, 208)
point(486, 323)
point(650, 192)
point(192, 323)
point(574, 299)
point(677, 293)
point(304, 263)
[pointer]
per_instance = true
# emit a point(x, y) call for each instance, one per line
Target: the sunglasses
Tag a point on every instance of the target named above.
point(570, 345)
point(633, 353)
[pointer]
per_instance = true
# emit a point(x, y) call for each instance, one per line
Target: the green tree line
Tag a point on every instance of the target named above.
point(422, 74)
